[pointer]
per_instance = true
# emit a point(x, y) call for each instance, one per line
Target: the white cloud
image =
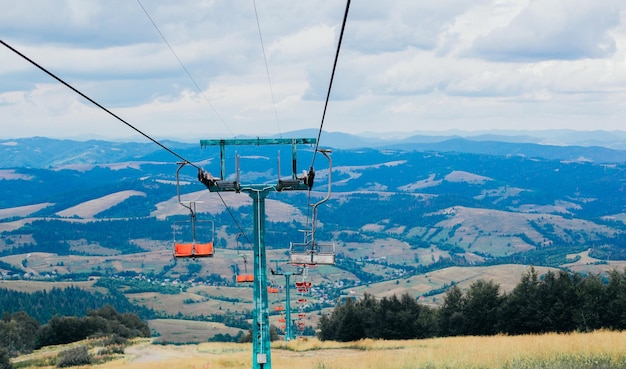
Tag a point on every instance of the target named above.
point(404, 65)
point(555, 29)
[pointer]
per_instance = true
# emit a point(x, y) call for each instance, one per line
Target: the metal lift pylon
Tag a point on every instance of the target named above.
point(261, 353)
point(288, 324)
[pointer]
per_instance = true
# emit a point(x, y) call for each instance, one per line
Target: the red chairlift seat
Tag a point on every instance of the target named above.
point(193, 250)
point(204, 249)
point(182, 250)
point(243, 278)
point(302, 301)
point(186, 244)
point(303, 286)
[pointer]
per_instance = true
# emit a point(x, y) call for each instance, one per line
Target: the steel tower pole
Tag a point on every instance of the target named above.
point(261, 354)
point(261, 350)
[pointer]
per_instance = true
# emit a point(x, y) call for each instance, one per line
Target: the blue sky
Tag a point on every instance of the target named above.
point(405, 66)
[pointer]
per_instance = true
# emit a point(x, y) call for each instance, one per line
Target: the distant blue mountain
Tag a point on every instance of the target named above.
point(40, 152)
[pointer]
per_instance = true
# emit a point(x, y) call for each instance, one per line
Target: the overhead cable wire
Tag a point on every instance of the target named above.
point(232, 215)
point(185, 69)
point(267, 70)
point(118, 118)
point(332, 76)
point(95, 102)
point(330, 86)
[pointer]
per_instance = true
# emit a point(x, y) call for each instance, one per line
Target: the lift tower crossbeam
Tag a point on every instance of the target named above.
point(261, 355)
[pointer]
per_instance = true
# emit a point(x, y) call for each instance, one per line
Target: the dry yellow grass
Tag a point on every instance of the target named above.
point(453, 352)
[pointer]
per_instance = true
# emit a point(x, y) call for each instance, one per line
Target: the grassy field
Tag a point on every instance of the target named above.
point(185, 331)
point(596, 350)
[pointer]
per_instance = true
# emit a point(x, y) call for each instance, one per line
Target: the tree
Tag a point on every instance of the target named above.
point(350, 327)
point(520, 310)
point(19, 333)
point(5, 360)
point(593, 304)
point(450, 317)
point(558, 299)
point(481, 307)
point(616, 297)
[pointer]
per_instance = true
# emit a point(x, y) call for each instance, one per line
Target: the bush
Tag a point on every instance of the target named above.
point(112, 350)
point(73, 357)
point(115, 340)
point(5, 361)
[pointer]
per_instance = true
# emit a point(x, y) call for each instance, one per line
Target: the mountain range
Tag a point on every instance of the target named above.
point(399, 208)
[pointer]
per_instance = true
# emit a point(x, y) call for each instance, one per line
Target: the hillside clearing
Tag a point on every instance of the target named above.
point(90, 208)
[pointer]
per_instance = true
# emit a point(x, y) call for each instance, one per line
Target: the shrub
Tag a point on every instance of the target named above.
point(5, 361)
point(111, 350)
point(73, 357)
point(115, 340)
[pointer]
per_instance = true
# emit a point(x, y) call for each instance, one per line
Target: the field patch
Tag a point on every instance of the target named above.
point(90, 208)
point(185, 331)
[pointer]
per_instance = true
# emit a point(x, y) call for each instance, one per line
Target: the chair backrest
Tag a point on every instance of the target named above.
point(242, 278)
point(182, 250)
point(204, 249)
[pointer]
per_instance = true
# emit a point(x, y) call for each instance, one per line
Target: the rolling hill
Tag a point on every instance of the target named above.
point(414, 219)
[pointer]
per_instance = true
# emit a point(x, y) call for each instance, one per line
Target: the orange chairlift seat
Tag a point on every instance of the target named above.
point(245, 277)
point(242, 278)
point(186, 245)
point(193, 250)
point(271, 289)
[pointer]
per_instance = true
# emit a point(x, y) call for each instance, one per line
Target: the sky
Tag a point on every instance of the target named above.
point(405, 66)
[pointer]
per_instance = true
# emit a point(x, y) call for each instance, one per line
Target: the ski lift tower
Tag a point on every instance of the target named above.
point(289, 324)
point(261, 355)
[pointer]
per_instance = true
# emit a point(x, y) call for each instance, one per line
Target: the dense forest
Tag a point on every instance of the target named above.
point(22, 333)
point(69, 301)
point(556, 302)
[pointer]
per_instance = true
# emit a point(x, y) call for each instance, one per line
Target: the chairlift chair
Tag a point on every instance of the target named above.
point(186, 244)
point(245, 277)
point(311, 252)
point(271, 289)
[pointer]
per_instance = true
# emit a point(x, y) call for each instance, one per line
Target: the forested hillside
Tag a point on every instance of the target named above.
point(401, 220)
